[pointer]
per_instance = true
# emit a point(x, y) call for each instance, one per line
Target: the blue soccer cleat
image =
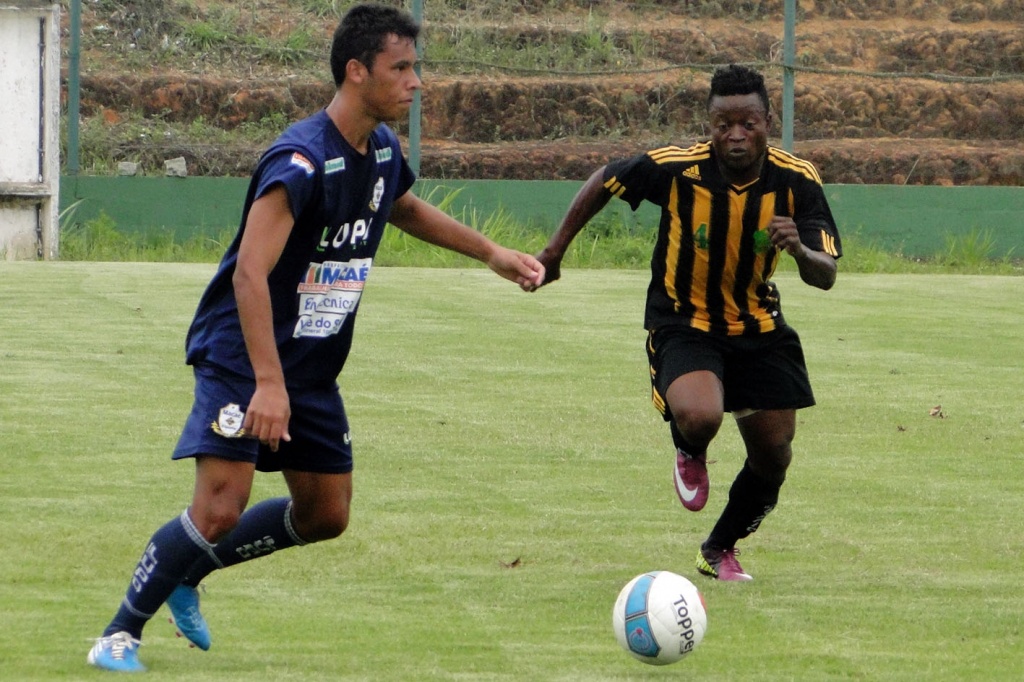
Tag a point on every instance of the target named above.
point(119, 652)
point(184, 606)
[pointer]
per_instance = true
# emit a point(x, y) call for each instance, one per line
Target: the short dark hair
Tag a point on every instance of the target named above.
point(735, 79)
point(361, 34)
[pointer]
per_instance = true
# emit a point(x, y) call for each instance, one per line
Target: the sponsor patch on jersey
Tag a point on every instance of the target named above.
point(229, 422)
point(693, 173)
point(303, 163)
point(383, 155)
point(334, 165)
point(328, 294)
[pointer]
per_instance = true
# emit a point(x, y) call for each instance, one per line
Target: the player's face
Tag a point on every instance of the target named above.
point(739, 135)
point(392, 82)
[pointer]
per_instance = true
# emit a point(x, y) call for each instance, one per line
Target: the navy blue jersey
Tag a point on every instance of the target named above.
point(340, 200)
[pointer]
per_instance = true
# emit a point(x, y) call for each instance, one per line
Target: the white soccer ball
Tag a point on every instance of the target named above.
point(659, 617)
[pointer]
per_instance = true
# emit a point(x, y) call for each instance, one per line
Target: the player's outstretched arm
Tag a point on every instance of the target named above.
point(587, 203)
point(429, 223)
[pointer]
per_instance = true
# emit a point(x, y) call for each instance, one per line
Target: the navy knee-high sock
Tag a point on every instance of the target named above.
point(263, 528)
point(751, 498)
point(171, 550)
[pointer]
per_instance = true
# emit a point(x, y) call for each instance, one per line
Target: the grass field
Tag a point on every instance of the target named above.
point(492, 426)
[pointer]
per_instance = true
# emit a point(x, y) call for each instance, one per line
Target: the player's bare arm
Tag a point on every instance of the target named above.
point(816, 267)
point(587, 203)
point(266, 231)
point(429, 223)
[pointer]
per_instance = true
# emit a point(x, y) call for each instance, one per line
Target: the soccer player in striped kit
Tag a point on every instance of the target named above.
point(717, 341)
point(274, 328)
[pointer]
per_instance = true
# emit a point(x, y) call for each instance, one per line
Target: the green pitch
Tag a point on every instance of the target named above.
point(511, 476)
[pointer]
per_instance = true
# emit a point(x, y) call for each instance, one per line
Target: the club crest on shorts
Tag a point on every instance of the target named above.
point(229, 422)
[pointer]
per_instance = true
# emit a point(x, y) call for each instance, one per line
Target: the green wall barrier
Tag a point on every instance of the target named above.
point(918, 219)
point(915, 220)
point(184, 206)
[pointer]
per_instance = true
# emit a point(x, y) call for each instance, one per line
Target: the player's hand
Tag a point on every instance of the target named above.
point(268, 415)
point(521, 268)
point(816, 268)
point(552, 267)
point(784, 235)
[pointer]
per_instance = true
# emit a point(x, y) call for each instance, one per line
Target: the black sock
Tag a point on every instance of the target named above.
point(751, 498)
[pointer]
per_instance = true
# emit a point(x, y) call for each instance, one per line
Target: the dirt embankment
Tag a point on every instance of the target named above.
point(954, 115)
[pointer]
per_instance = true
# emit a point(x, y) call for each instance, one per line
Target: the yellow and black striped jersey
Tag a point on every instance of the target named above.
point(713, 261)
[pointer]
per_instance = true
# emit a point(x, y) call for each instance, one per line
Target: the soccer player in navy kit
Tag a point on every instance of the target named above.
point(717, 340)
point(274, 327)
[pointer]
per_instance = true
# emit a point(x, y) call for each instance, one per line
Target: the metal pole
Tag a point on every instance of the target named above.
point(41, 148)
point(788, 56)
point(73, 86)
point(415, 112)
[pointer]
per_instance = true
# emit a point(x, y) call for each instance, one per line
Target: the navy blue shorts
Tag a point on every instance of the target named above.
point(763, 372)
point(320, 442)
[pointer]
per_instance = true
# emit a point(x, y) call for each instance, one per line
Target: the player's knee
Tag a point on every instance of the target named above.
point(322, 532)
point(322, 527)
point(698, 427)
point(333, 526)
point(215, 523)
point(771, 463)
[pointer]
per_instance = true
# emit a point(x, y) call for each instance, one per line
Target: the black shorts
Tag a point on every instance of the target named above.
point(763, 372)
point(320, 442)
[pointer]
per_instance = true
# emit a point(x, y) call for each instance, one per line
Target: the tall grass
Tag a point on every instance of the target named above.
point(100, 240)
point(974, 248)
point(608, 242)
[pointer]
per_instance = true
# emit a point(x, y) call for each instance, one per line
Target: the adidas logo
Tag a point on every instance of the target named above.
point(692, 172)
